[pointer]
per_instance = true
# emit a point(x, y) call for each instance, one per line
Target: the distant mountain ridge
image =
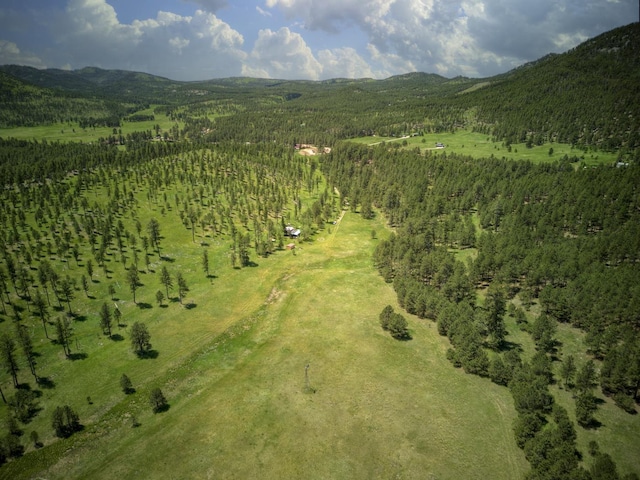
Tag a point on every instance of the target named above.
point(589, 95)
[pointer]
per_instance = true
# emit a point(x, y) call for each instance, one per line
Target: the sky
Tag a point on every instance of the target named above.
point(300, 39)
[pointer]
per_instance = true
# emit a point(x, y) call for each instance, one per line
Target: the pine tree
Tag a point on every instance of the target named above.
point(158, 401)
point(105, 319)
point(140, 338)
point(568, 371)
point(8, 357)
point(126, 385)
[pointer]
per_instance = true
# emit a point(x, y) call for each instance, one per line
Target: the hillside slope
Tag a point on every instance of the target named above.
point(589, 95)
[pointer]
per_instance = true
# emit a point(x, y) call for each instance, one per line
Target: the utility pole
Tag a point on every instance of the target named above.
point(307, 385)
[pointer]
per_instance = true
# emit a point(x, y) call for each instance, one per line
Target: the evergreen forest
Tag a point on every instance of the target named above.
point(416, 277)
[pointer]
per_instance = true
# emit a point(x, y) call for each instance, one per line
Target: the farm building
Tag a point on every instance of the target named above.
point(292, 232)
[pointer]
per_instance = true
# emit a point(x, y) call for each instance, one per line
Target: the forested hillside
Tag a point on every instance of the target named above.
point(177, 222)
point(588, 96)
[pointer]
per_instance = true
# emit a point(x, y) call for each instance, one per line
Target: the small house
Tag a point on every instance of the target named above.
point(292, 232)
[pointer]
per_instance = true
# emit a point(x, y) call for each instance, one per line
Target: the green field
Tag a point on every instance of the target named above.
point(232, 369)
point(231, 361)
point(273, 360)
point(72, 132)
point(478, 145)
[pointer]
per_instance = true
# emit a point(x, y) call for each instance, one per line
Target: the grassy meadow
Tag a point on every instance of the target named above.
point(479, 145)
point(233, 370)
point(231, 360)
point(72, 132)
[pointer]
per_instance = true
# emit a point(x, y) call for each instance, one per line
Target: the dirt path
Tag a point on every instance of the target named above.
point(387, 141)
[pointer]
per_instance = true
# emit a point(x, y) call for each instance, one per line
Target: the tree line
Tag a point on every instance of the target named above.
point(563, 238)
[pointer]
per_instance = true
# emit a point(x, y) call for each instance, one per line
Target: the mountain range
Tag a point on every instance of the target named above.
point(587, 96)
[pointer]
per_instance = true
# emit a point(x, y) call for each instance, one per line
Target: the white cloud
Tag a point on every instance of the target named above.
point(468, 37)
point(10, 54)
point(324, 38)
point(345, 63)
point(180, 47)
point(390, 63)
point(263, 12)
point(281, 54)
point(178, 43)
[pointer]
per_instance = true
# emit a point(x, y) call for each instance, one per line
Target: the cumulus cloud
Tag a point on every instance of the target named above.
point(180, 47)
point(10, 54)
point(345, 63)
point(324, 38)
point(468, 37)
point(281, 54)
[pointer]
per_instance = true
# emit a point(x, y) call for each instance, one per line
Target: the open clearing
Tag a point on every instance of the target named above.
point(478, 145)
point(72, 132)
point(381, 408)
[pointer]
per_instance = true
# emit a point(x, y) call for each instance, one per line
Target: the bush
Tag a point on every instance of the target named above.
point(625, 402)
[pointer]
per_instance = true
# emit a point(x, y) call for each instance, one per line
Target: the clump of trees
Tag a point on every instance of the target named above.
point(394, 323)
point(542, 235)
point(65, 421)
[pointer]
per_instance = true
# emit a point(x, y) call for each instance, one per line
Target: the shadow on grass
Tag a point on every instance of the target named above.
point(148, 354)
point(162, 408)
point(46, 382)
point(404, 338)
point(77, 356)
point(593, 424)
point(19, 308)
point(506, 346)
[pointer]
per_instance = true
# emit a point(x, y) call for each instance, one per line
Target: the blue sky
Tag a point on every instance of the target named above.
point(300, 39)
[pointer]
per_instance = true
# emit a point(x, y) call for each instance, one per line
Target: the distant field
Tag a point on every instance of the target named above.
point(72, 132)
point(480, 145)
